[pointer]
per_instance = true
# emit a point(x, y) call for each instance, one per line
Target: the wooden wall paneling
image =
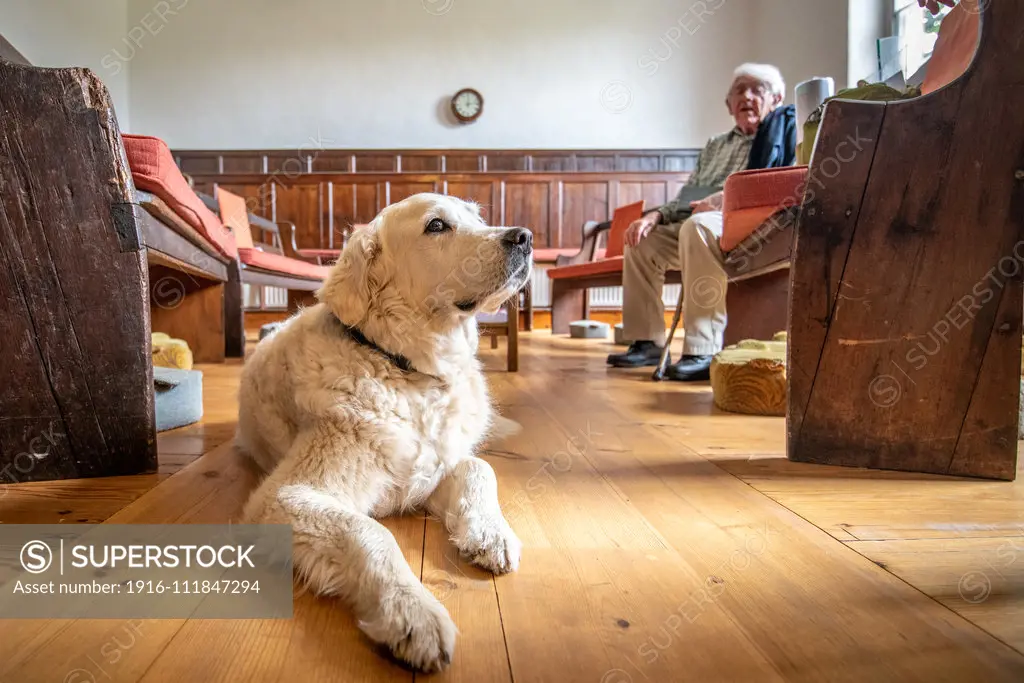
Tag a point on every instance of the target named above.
point(552, 205)
point(376, 163)
point(556, 225)
point(207, 186)
point(289, 164)
point(527, 205)
point(248, 163)
point(420, 163)
point(342, 206)
point(403, 189)
point(652, 193)
point(583, 201)
point(638, 163)
point(679, 162)
point(480, 192)
point(508, 162)
point(299, 203)
point(200, 165)
point(331, 161)
point(324, 198)
point(553, 163)
point(595, 163)
point(369, 200)
point(462, 163)
point(437, 160)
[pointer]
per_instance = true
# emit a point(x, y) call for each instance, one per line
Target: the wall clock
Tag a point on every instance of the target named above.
point(467, 105)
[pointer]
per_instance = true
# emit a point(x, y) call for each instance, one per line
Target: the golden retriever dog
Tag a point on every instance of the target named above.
point(372, 403)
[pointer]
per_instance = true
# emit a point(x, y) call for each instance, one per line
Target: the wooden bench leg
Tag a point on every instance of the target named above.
point(567, 305)
point(528, 307)
point(758, 307)
point(513, 334)
point(189, 308)
point(234, 313)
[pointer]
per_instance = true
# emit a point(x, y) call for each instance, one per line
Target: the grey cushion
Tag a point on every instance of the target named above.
point(178, 396)
point(589, 329)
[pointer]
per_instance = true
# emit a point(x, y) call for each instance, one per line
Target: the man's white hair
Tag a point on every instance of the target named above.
point(766, 73)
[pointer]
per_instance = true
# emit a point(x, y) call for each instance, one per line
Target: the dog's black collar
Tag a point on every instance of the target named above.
point(356, 335)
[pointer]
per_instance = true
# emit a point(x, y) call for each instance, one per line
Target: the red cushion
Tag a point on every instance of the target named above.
point(602, 267)
point(154, 170)
point(551, 255)
point(752, 196)
point(621, 220)
point(954, 48)
point(266, 260)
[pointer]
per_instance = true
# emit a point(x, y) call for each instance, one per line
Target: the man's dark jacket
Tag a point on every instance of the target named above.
point(775, 141)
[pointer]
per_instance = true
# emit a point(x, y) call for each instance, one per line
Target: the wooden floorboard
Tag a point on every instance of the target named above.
point(663, 540)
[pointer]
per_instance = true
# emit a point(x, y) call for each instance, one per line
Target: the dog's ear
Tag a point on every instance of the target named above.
point(351, 283)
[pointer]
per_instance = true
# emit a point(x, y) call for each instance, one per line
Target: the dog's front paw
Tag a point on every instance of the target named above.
point(495, 548)
point(417, 629)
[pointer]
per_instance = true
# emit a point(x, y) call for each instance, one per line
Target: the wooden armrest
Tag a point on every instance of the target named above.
point(765, 249)
point(588, 244)
point(291, 247)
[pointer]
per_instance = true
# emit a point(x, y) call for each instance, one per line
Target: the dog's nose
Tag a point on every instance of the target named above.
point(518, 237)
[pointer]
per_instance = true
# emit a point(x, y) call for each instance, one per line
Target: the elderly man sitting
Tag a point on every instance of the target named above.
point(684, 235)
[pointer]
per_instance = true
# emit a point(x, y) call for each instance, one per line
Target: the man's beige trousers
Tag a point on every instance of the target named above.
point(691, 247)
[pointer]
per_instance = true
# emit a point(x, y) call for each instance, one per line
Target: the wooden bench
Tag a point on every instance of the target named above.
point(75, 349)
point(905, 334)
point(187, 280)
point(756, 267)
point(189, 253)
point(263, 264)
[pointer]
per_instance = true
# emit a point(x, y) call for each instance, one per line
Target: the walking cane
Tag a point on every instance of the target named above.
point(659, 372)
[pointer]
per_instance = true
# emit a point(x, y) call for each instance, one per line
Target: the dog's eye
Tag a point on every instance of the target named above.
point(437, 225)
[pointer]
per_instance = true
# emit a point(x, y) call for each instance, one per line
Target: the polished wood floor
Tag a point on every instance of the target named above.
point(664, 541)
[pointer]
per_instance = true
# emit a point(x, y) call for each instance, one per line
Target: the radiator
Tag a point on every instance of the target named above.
point(600, 297)
point(276, 298)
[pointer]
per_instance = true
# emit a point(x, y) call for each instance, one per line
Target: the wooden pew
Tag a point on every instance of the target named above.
point(74, 285)
point(188, 278)
point(756, 268)
point(262, 264)
point(905, 325)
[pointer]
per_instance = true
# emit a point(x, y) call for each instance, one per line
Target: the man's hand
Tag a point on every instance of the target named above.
point(933, 5)
point(640, 228)
point(710, 203)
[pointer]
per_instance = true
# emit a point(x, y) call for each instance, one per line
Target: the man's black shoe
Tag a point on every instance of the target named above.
point(639, 354)
point(690, 369)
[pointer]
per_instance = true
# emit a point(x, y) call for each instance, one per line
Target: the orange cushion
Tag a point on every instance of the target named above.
point(153, 170)
point(621, 219)
point(551, 255)
point(602, 267)
point(266, 260)
point(954, 48)
point(752, 196)
point(235, 215)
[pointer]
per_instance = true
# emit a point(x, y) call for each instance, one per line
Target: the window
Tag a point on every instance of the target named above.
point(916, 30)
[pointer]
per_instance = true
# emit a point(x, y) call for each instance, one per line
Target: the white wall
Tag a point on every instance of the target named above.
point(62, 33)
point(267, 73)
point(804, 38)
point(242, 74)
